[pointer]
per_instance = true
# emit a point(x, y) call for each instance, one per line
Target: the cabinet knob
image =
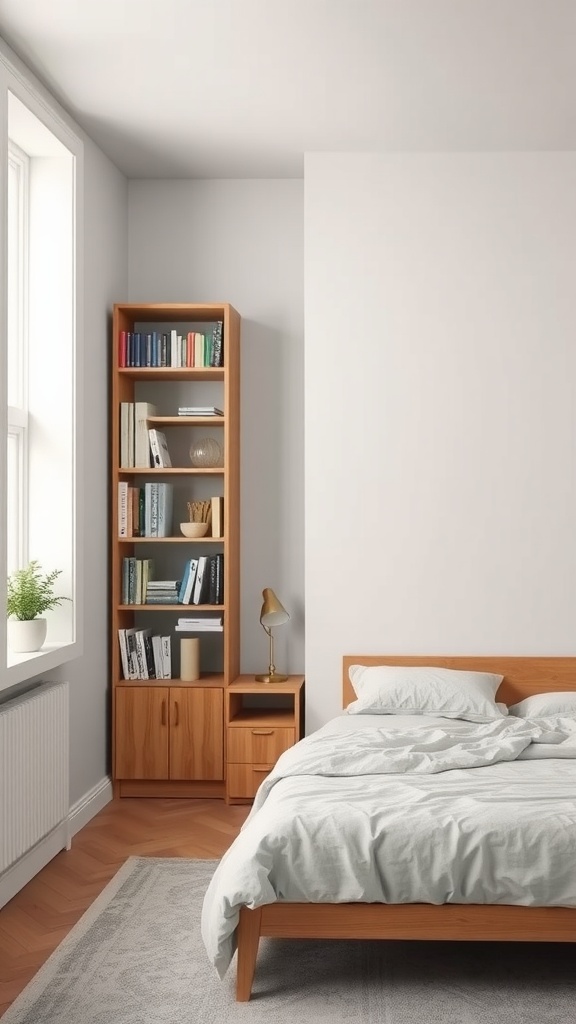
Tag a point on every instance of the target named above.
point(176, 713)
point(262, 732)
point(163, 713)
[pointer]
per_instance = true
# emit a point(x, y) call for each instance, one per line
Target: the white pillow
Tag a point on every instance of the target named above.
point(542, 705)
point(408, 690)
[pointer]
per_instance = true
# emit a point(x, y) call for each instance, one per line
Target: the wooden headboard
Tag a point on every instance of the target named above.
point(522, 676)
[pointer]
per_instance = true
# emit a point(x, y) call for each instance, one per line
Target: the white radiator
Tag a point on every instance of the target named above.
point(34, 753)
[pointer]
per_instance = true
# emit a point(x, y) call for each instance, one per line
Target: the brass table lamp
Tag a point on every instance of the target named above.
point(272, 614)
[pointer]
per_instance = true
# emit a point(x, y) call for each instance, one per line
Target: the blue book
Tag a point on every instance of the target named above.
point(190, 581)
point(184, 583)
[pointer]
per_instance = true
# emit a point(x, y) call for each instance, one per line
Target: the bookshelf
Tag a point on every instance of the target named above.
point(168, 733)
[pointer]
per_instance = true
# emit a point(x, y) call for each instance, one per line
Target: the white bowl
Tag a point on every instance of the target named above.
point(194, 529)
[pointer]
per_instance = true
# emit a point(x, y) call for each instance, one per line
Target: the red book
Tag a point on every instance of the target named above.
point(123, 349)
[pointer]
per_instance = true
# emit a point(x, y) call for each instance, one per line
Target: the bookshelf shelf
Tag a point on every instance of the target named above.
point(168, 733)
point(163, 373)
point(171, 540)
point(170, 471)
point(187, 421)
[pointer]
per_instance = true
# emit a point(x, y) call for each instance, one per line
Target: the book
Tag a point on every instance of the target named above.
point(159, 449)
point(217, 517)
point(134, 497)
point(214, 624)
point(188, 581)
point(124, 653)
point(122, 508)
point(217, 348)
point(199, 410)
point(147, 570)
point(126, 435)
point(123, 348)
point(166, 657)
point(201, 581)
point(213, 580)
point(140, 636)
point(157, 653)
point(132, 657)
point(142, 413)
point(148, 488)
point(219, 578)
point(165, 510)
point(149, 652)
point(199, 349)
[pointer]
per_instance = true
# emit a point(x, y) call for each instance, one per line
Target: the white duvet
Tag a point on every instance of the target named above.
point(406, 809)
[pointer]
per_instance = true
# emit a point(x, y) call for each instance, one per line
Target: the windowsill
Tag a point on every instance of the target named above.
point(21, 667)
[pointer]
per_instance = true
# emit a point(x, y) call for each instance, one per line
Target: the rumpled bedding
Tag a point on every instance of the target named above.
point(406, 809)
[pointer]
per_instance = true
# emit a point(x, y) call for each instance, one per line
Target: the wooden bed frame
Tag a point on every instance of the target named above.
point(522, 677)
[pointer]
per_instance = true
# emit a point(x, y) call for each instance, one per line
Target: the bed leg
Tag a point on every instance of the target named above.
point(248, 939)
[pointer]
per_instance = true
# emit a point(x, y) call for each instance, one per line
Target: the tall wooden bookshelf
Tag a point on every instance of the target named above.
point(168, 734)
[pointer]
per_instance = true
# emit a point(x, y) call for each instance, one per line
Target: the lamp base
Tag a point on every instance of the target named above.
point(271, 677)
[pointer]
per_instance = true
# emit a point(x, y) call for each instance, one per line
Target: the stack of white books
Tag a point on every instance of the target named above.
point(207, 624)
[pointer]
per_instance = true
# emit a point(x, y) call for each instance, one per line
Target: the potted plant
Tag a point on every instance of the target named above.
point(29, 594)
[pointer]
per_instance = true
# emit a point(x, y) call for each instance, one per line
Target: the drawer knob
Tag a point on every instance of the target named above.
point(262, 732)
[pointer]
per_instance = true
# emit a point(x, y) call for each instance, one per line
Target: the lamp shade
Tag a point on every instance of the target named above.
point(272, 613)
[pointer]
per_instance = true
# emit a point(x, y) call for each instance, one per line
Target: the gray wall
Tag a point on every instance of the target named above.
point(242, 242)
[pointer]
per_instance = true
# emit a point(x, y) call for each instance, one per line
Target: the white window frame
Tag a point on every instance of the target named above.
point(17, 81)
point(18, 341)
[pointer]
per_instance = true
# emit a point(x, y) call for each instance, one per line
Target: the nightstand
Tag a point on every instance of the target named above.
point(262, 720)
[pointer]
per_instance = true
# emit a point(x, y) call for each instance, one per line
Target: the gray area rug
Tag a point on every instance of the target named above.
point(136, 957)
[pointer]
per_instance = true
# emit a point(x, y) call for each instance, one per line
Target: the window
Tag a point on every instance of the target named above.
point(17, 304)
point(38, 394)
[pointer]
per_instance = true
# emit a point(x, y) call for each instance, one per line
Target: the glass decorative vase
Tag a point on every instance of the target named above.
point(207, 453)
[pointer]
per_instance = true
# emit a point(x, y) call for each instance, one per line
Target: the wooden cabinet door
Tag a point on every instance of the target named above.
point(142, 718)
point(196, 733)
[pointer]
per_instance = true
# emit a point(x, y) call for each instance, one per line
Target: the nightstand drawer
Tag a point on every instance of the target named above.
point(258, 744)
point(244, 779)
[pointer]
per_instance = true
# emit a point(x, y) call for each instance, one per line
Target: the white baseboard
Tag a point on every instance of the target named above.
point(17, 876)
point(23, 871)
point(88, 805)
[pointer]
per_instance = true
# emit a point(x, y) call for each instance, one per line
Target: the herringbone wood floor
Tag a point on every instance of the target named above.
point(41, 914)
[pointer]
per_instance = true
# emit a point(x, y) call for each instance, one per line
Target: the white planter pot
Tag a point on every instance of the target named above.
point(27, 635)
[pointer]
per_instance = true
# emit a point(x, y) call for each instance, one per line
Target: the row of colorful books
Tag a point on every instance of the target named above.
point(145, 511)
point(145, 655)
point(162, 348)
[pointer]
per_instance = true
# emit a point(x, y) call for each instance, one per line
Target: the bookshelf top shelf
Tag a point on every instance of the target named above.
point(159, 373)
point(160, 312)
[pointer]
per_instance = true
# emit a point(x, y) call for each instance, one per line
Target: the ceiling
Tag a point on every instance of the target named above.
point(243, 88)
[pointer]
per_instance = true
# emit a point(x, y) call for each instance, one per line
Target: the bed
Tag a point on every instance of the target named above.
point(320, 917)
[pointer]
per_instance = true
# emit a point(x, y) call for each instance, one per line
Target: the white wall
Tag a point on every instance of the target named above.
point(440, 371)
point(241, 241)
